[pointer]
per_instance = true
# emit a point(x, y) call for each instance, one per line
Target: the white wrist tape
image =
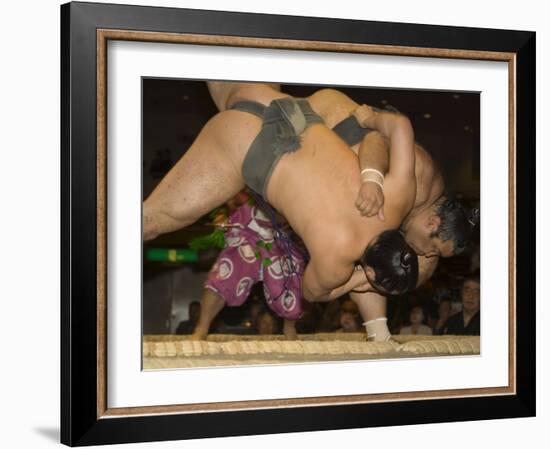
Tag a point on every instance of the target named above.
point(377, 330)
point(372, 175)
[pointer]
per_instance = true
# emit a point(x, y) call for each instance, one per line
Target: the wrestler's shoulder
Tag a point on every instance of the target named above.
point(340, 242)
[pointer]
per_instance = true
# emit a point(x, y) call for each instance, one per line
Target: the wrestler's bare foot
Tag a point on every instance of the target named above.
point(211, 304)
point(198, 334)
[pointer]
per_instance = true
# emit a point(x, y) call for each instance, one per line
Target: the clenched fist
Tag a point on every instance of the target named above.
point(370, 200)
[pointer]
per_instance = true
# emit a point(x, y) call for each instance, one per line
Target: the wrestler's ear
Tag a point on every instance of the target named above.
point(370, 273)
point(433, 223)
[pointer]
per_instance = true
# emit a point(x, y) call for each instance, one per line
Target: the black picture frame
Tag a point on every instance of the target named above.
point(80, 420)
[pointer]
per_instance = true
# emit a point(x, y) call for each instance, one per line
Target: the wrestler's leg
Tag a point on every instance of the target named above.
point(229, 283)
point(206, 176)
point(372, 308)
point(371, 305)
point(211, 305)
point(223, 93)
point(289, 329)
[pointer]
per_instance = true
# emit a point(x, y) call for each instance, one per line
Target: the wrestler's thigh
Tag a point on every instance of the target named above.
point(207, 175)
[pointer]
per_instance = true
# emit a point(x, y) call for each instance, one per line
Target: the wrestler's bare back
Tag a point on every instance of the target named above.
point(334, 106)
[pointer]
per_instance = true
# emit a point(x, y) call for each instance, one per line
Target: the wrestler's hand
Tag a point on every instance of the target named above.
point(363, 288)
point(364, 115)
point(370, 200)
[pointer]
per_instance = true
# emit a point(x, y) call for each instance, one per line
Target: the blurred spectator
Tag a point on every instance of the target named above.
point(350, 320)
point(256, 308)
point(441, 293)
point(401, 312)
point(187, 327)
point(397, 313)
point(416, 318)
point(330, 320)
point(444, 312)
point(431, 313)
point(309, 321)
point(267, 323)
point(468, 321)
point(255, 305)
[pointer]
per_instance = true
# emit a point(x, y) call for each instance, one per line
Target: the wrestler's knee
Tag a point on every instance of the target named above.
point(150, 230)
point(160, 219)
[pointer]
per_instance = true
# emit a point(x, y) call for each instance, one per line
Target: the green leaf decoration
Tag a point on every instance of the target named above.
point(217, 211)
point(215, 239)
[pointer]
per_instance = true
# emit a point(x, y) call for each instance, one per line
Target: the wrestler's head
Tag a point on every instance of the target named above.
point(390, 264)
point(444, 229)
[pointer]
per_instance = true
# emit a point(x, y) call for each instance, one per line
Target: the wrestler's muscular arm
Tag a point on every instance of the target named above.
point(358, 281)
point(392, 139)
point(400, 181)
point(373, 155)
point(327, 278)
point(398, 129)
point(334, 106)
point(322, 278)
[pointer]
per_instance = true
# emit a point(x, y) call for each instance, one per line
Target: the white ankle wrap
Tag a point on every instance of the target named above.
point(377, 330)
